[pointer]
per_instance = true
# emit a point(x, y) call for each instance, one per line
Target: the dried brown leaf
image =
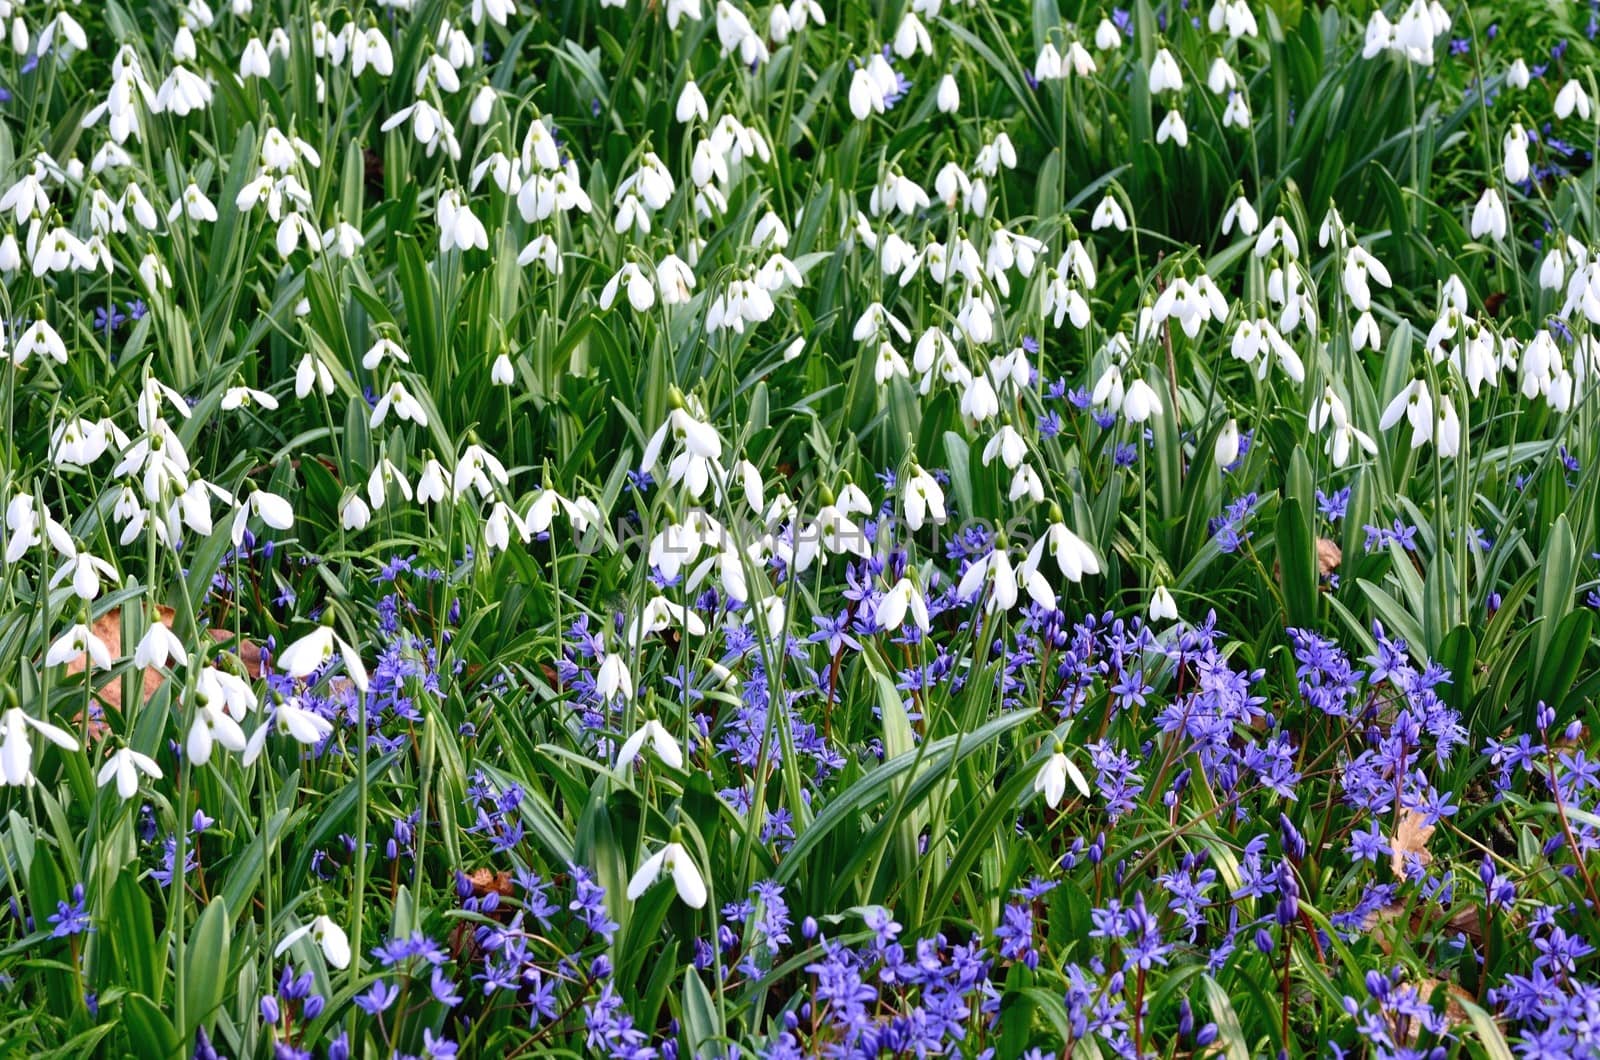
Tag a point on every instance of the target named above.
point(1411, 836)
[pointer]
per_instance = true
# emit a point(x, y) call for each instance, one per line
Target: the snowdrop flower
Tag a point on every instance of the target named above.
point(482, 108)
point(947, 97)
point(1415, 32)
point(1240, 213)
point(1163, 608)
point(80, 442)
point(1053, 775)
point(293, 720)
point(459, 228)
point(1048, 66)
point(1165, 75)
point(354, 513)
point(866, 95)
point(311, 374)
point(654, 735)
point(912, 37)
point(158, 647)
point(272, 509)
point(125, 765)
point(1489, 217)
point(1108, 214)
point(672, 859)
point(74, 644)
point(1226, 449)
point(641, 293)
point(613, 679)
point(923, 497)
point(1077, 60)
point(1345, 437)
point(1515, 147)
point(997, 153)
point(1026, 483)
point(1572, 98)
point(1007, 444)
point(232, 692)
point(406, 407)
point(308, 654)
point(1220, 78)
point(902, 598)
point(212, 726)
point(85, 571)
point(1414, 402)
point(1140, 402)
point(16, 749)
point(329, 936)
point(1517, 75)
point(691, 104)
point(658, 615)
point(1107, 36)
point(1072, 553)
point(995, 569)
point(1277, 233)
point(194, 204)
point(1173, 128)
point(238, 397)
point(369, 49)
point(182, 92)
point(1237, 113)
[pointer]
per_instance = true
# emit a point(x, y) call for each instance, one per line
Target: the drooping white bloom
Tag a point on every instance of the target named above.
point(654, 735)
point(995, 569)
point(1489, 217)
point(1108, 214)
point(1172, 128)
point(74, 644)
point(212, 725)
point(1226, 449)
point(16, 749)
point(328, 935)
point(1515, 146)
point(1165, 75)
point(158, 647)
point(271, 508)
point(923, 497)
point(1053, 776)
point(1240, 213)
point(124, 766)
point(1140, 402)
point(672, 859)
point(306, 655)
point(613, 680)
point(1572, 98)
point(902, 598)
point(1163, 608)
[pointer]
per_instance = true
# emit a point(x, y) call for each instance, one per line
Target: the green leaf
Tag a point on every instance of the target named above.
point(206, 964)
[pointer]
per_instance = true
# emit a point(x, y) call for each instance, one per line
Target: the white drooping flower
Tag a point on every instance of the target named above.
point(1489, 217)
point(75, 643)
point(674, 860)
point(306, 655)
point(1572, 99)
point(923, 498)
point(271, 508)
point(124, 766)
point(1053, 776)
point(654, 735)
point(902, 598)
point(1163, 608)
point(1226, 449)
point(16, 749)
point(327, 934)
